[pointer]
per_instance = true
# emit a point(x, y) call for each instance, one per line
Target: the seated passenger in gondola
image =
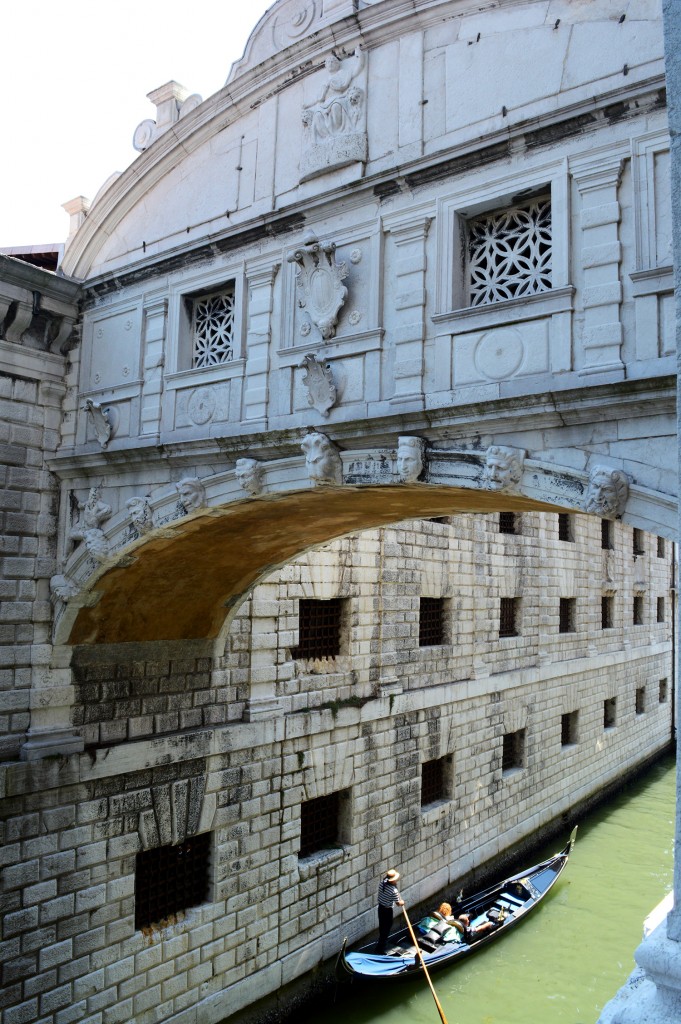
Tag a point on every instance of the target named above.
point(462, 923)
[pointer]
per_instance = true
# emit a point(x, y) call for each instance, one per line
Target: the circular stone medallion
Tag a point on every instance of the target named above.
point(201, 406)
point(499, 354)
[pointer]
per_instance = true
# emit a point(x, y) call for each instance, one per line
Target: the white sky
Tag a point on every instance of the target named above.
point(75, 75)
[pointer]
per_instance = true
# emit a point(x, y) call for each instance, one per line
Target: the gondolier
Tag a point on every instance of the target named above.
point(388, 897)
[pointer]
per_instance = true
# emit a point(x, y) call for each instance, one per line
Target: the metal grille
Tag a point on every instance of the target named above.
point(637, 542)
point(565, 526)
point(662, 692)
point(637, 616)
point(509, 253)
point(432, 782)
point(507, 616)
point(610, 713)
point(319, 628)
point(606, 534)
point(641, 700)
point(319, 824)
point(660, 547)
point(568, 728)
point(213, 328)
point(170, 879)
point(606, 612)
point(513, 754)
point(507, 522)
point(660, 609)
point(566, 615)
point(431, 621)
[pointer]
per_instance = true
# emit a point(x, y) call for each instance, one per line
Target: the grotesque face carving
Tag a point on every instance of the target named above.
point(321, 458)
point(140, 514)
point(503, 467)
point(607, 492)
point(192, 494)
point(248, 473)
point(410, 458)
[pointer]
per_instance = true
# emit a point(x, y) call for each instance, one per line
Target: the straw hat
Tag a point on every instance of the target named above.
point(392, 876)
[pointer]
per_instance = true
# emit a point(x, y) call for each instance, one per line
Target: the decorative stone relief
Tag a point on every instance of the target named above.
point(321, 388)
point(334, 124)
point(410, 458)
point(140, 515)
point(322, 459)
point(93, 513)
point(320, 280)
point(192, 494)
point(248, 473)
point(63, 587)
point(175, 812)
point(103, 419)
point(503, 468)
point(607, 492)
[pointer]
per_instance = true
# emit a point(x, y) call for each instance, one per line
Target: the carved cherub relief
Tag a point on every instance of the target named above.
point(607, 492)
point(503, 467)
point(322, 459)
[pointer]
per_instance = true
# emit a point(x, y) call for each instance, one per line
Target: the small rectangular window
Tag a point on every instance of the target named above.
point(660, 547)
point(170, 879)
point(566, 616)
point(508, 615)
point(568, 728)
point(660, 609)
point(319, 824)
point(212, 327)
point(606, 535)
point(637, 545)
point(507, 522)
point(637, 611)
point(319, 629)
point(513, 752)
point(510, 252)
point(663, 691)
point(434, 777)
point(431, 621)
point(565, 527)
point(641, 700)
point(607, 603)
point(610, 713)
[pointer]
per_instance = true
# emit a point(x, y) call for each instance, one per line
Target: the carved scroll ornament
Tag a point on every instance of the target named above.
point(320, 281)
point(321, 388)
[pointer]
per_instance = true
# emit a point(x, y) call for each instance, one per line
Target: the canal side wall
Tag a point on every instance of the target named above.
point(170, 755)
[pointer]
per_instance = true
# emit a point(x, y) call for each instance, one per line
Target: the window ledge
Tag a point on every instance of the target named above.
point(207, 374)
point(322, 860)
point(435, 811)
point(509, 311)
point(652, 281)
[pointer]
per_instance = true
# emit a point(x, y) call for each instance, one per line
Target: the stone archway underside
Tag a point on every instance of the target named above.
point(182, 583)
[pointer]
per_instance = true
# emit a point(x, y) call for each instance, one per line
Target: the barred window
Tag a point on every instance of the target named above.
point(637, 611)
point(508, 615)
point(663, 690)
point(170, 879)
point(641, 700)
point(660, 609)
point(319, 628)
point(607, 603)
point(319, 824)
point(637, 545)
point(610, 713)
point(434, 781)
point(507, 522)
point(568, 728)
point(431, 621)
point(212, 327)
point(513, 751)
point(510, 253)
point(606, 535)
point(566, 615)
point(660, 547)
point(565, 527)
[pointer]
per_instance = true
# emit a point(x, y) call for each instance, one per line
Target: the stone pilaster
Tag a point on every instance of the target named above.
point(51, 704)
point(153, 336)
point(260, 286)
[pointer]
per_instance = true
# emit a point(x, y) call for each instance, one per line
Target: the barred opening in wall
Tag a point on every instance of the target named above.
point(319, 824)
point(171, 879)
point(433, 781)
point(319, 628)
point(213, 328)
point(431, 621)
point(510, 252)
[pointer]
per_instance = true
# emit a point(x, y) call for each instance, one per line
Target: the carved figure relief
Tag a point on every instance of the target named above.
point(334, 123)
point(104, 420)
point(192, 494)
point(322, 459)
point(88, 529)
point(248, 473)
point(503, 468)
point(140, 515)
point(321, 388)
point(607, 492)
point(410, 458)
point(320, 280)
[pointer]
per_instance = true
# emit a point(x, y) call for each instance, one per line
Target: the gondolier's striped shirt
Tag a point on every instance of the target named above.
point(387, 894)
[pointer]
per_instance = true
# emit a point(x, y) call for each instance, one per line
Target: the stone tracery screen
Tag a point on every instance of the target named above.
point(510, 253)
point(213, 328)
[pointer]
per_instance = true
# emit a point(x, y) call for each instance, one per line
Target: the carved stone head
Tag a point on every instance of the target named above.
point(323, 462)
point(607, 492)
point(410, 458)
point(192, 494)
point(503, 467)
point(248, 473)
point(140, 514)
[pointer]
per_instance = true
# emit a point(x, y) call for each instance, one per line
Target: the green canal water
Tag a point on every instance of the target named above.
point(563, 964)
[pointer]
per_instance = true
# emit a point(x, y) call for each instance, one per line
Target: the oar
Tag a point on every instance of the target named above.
point(423, 964)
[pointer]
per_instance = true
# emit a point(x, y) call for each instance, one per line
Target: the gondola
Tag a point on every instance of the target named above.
point(493, 912)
